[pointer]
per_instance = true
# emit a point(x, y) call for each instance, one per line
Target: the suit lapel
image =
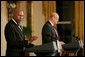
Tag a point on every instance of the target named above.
point(18, 30)
point(51, 27)
point(53, 31)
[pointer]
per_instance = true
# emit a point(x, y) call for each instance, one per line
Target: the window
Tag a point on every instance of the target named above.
point(65, 27)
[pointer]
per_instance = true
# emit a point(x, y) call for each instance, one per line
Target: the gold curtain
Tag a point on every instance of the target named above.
point(18, 4)
point(79, 19)
point(48, 8)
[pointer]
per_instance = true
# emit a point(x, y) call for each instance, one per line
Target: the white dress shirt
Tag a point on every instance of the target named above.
point(17, 24)
point(51, 22)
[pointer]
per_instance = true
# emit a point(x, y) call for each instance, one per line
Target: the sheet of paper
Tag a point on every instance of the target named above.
point(59, 46)
point(54, 44)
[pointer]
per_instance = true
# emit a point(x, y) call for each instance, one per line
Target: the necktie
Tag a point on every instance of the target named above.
point(56, 32)
point(19, 27)
point(58, 43)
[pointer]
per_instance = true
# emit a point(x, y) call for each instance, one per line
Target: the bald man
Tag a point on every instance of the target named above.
point(49, 33)
point(15, 37)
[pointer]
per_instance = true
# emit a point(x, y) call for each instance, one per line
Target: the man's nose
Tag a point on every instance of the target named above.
point(21, 17)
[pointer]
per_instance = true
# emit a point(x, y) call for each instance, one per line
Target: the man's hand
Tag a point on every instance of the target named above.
point(32, 39)
point(62, 43)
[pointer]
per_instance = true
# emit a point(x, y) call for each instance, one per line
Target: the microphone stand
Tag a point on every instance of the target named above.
point(80, 42)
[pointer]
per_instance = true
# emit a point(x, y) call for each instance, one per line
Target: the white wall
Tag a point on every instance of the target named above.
point(37, 22)
point(3, 23)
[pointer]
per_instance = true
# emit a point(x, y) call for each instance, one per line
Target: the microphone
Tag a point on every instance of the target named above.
point(76, 37)
point(79, 40)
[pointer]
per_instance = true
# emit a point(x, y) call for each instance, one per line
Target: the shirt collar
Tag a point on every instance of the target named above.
point(14, 21)
point(51, 22)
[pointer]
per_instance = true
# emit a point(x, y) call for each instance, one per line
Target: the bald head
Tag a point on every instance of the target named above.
point(54, 18)
point(18, 15)
point(55, 15)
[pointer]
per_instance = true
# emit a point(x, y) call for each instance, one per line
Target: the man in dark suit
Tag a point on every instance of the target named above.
point(49, 33)
point(15, 37)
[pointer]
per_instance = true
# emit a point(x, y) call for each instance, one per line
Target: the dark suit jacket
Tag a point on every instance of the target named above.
point(48, 35)
point(15, 40)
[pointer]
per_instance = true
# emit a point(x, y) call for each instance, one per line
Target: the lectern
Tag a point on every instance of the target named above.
point(51, 48)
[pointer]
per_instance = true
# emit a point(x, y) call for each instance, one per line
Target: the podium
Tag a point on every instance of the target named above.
point(51, 48)
point(73, 47)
